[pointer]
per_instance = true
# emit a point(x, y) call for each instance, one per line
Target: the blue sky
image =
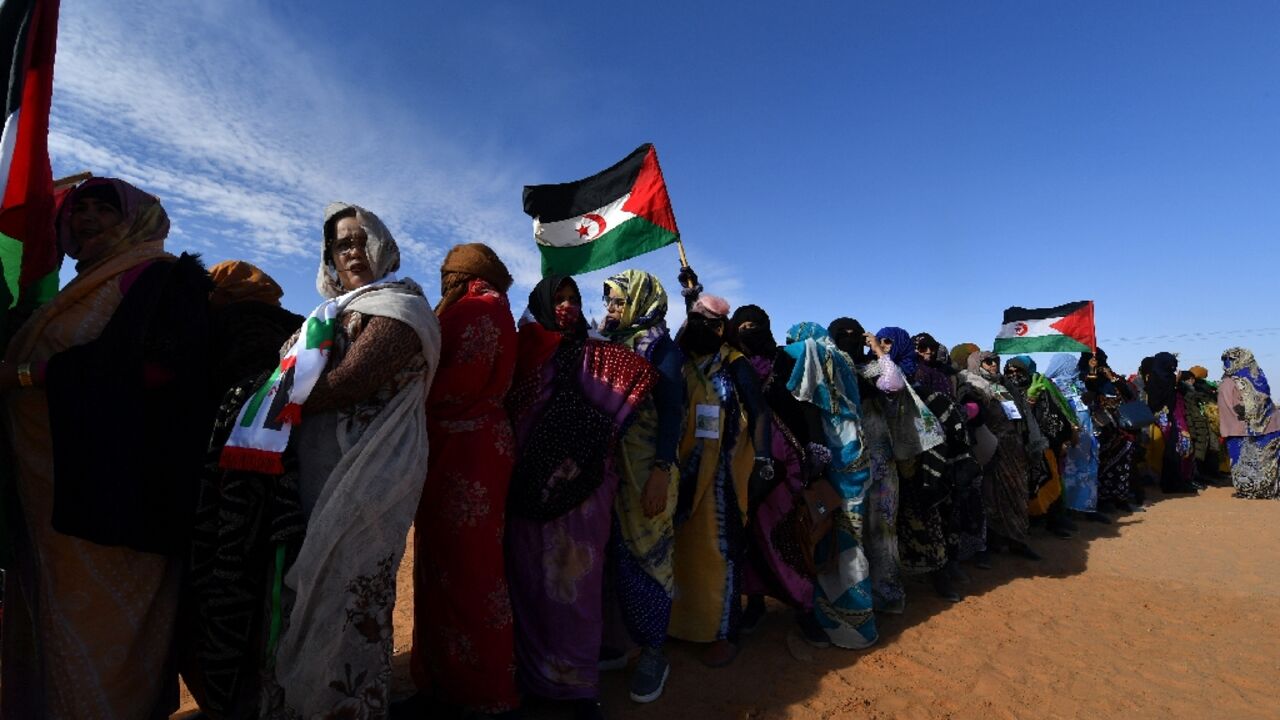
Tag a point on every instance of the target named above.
point(922, 164)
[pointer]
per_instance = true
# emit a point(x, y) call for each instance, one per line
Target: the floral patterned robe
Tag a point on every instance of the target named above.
point(463, 649)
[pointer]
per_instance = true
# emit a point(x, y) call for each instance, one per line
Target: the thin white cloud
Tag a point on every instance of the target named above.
point(245, 134)
point(222, 114)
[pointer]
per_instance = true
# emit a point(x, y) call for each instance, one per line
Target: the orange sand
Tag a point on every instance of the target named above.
point(1172, 613)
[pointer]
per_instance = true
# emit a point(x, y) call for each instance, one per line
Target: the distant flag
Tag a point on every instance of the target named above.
point(612, 216)
point(1066, 328)
point(28, 42)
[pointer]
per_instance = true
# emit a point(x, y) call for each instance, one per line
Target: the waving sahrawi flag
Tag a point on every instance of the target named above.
point(612, 216)
point(28, 41)
point(1066, 328)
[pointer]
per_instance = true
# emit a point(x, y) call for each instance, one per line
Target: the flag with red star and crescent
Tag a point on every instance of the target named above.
point(614, 215)
point(1066, 328)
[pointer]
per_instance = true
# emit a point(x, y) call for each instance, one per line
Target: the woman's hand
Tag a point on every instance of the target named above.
point(654, 498)
point(874, 344)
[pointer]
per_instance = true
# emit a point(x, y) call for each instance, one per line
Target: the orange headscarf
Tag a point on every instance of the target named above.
point(465, 263)
point(240, 281)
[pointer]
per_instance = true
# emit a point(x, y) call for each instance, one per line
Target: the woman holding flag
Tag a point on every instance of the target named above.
point(1055, 422)
point(1080, 462)
point(727, 420)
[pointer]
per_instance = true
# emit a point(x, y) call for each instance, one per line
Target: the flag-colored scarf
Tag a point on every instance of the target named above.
point(262, 430)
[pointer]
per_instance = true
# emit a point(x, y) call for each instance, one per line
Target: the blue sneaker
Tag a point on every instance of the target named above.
point(650, 676)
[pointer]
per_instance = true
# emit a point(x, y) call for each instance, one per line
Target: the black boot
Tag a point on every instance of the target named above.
point(1058, 527)
point(957, 573)
point(1097, 517)
point(753, 613)
point(1022, 549)
point(942, 586)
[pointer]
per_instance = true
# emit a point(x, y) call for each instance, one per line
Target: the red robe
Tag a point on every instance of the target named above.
point(463, 641)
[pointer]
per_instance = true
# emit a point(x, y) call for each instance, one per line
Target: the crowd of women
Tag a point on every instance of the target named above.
point(203, 484)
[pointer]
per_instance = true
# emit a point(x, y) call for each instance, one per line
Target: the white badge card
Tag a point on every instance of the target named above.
point(707, 419)
point(1011, 410)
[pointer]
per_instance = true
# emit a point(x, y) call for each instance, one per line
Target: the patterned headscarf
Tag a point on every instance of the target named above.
point(142, 220)
point(807, 331)
point(903, 351)
point(821, 375)
point(1240, 367)
point(645, 314)
point(1064, 371)
point(467, 262)
point(380, 247)
point(925, 339)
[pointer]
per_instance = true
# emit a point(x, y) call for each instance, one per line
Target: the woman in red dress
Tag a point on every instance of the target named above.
point(463, 646)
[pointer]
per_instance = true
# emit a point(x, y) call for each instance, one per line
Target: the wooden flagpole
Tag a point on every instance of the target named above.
point(71, 180)
point(684, 261)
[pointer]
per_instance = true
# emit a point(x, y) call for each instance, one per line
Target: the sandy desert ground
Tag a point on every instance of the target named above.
point(1171, 613)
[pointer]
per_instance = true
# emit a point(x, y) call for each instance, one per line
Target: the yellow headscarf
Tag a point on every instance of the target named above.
point(646, 304)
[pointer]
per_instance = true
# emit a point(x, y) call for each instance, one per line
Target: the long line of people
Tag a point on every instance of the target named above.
point(206, 484)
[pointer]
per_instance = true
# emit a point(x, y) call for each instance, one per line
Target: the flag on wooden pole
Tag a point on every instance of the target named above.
point(614, 215)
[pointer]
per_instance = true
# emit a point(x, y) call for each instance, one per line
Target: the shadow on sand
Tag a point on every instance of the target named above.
point(774, 671)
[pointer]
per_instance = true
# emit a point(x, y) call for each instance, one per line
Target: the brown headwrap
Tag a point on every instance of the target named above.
point(960, 355)
point(1200, 372)
point(239, 281)
point(465, 263)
